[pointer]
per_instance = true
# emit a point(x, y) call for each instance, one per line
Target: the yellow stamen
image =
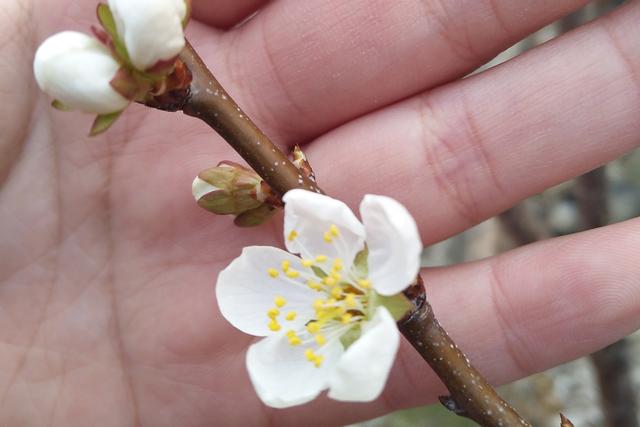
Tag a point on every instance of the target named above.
point(350, 300)
point(328, 237)
point(294, 340)
point(291, 315)
point(336, 292)
point(346, 318)
point(285, 265)
point(274, 326)
point(290, 333)
point(321, 258)
point(280, 301)
point(336, 276)
point(273, 313)
point(273, 272)
point(318, 360)
point(292, 274)
point(320, 339)
point(318, 304)
point(292, 235)
point(310, 355)
point(364, 283)
point(337, 264)
point(314, 285)
point(334, 230)
point(307, 263)
point(313, 327)
point(329, 281)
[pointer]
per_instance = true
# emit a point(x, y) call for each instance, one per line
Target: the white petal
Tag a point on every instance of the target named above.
point(245, 291)
point(311, 215)
point(283, 377)
point(394, 244)
point(361, 373)
point(77, 70)
point(151, 29)
point(201, 188)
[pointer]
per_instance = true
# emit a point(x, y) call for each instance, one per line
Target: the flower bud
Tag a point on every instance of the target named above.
point(76, 71)
point(229, 189)
point(152, 30)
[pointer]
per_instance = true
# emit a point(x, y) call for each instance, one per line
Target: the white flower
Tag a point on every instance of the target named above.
point(321, 312)
point(76, 70)
point(150, 29)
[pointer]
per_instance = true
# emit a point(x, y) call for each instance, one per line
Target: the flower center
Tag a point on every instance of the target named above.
point(342, 303)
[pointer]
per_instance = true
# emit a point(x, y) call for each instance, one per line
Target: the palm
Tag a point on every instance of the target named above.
point(107, 266)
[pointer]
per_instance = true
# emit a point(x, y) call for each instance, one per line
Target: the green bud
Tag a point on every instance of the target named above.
point(229, 189)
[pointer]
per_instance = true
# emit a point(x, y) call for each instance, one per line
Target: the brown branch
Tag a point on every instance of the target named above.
point(209, 102)
point(472, 395)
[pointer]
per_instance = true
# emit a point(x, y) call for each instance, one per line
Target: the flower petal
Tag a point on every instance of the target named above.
point(77, 70)
point(245, 291)
point(283, 377)
point(151, 29)
point(394, 244)
point(308, 216)
point(361, 373)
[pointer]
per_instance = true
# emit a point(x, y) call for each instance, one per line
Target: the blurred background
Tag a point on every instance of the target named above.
point(604, 388)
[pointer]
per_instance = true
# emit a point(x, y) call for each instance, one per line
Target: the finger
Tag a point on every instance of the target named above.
point(542, 305)
point(17, 91)
point(469, 150)
point(301, 68)
point(225, 13)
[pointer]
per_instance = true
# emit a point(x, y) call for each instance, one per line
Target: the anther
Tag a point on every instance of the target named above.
point(336, 292)
point(350, 300)
point(292, 235)
point(364, 283)
point(320, 339)
point(329, 281)
point(307, 263)
point(334, 230)
point(313, 327)
point(291, 315)
point(285, 265)
point(280, 301)
point(273, 313)
point(274, 326)
point(328, 237)
point(321, 258)
point(273, 272)
point(292, 274)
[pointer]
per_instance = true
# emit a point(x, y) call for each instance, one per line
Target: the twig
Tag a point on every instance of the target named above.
point(472, 395)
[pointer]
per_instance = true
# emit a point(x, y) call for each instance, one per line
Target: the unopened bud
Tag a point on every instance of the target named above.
point(230, 189)
point(76, 70)
point(152, 30)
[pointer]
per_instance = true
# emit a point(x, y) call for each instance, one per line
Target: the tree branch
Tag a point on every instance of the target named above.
point(471, 395)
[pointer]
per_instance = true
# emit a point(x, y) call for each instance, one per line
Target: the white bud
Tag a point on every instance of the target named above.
point(150, 29)
point(76, 70)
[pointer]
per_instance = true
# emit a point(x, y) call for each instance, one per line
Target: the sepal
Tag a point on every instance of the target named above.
point(104, 122)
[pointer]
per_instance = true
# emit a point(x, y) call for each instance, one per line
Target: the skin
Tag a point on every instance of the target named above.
point(107, 266)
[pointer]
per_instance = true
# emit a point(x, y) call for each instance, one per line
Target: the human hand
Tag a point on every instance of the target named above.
point(108, 267)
